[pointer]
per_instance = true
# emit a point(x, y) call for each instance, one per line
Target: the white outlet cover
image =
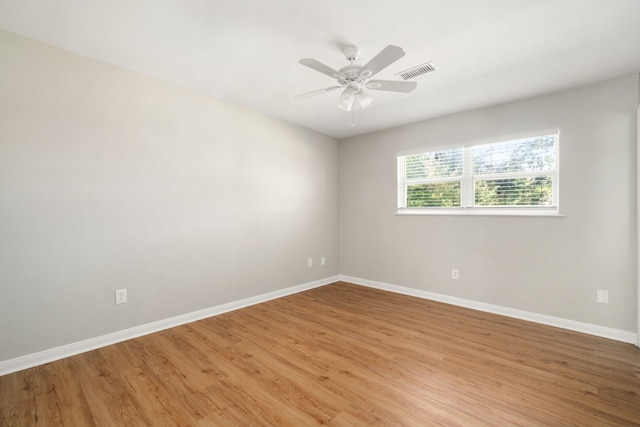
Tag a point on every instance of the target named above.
point(310, 262)
point(602, 297)
point(121, 296)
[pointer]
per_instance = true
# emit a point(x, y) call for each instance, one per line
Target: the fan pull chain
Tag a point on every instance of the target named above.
point(353, 115)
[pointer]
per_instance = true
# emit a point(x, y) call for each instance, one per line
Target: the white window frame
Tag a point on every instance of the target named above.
point(467, 184)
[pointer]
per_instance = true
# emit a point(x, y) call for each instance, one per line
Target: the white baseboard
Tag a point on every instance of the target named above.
point(46, 356)
point(587, 328)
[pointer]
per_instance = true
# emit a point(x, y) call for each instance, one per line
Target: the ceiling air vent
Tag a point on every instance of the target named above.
point(416, 71)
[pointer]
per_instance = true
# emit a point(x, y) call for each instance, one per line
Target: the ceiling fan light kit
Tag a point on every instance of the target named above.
point(352, 99)
point(354, 78)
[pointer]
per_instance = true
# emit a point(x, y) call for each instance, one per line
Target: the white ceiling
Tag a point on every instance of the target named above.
point(247, 51)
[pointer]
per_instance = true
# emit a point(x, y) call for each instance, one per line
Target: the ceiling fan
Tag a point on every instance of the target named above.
point(355, 78)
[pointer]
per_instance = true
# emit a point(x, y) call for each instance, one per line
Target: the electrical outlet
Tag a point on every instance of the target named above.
point(602, 297)
point(310, 262)
point(121, 296)
point(323, 261)
point(455, 274)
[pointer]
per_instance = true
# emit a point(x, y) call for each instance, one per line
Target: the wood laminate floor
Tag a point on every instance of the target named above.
point(340, 355)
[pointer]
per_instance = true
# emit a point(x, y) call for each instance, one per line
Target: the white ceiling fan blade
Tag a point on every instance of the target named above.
point(316, 92)
point(391, 85)
point(386, 57)
point(319, 66)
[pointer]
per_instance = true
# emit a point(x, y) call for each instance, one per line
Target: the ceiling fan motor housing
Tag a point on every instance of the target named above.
point(351, 72)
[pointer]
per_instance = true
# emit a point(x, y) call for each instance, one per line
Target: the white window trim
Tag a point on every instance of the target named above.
point(547, 211)
point(467, 187)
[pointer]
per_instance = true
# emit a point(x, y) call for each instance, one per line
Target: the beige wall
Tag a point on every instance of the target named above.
point(110, 179)
point(550, 266)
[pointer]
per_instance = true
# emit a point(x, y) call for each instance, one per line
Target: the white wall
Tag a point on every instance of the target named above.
point(110, 179)
point(550, 266)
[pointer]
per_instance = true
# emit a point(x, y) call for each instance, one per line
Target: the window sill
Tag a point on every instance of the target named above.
point(546, 212)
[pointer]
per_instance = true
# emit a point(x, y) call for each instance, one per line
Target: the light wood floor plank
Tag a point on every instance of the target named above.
point(339, 355)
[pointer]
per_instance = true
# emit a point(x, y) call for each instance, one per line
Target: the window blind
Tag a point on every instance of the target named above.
point(431, 179)
point(517, 174)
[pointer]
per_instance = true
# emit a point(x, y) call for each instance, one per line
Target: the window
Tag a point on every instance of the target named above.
point(512, 177)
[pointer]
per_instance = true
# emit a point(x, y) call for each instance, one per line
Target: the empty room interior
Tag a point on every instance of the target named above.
point(296, 213)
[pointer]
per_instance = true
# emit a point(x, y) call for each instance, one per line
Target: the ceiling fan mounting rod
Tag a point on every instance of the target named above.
point(351, 53)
